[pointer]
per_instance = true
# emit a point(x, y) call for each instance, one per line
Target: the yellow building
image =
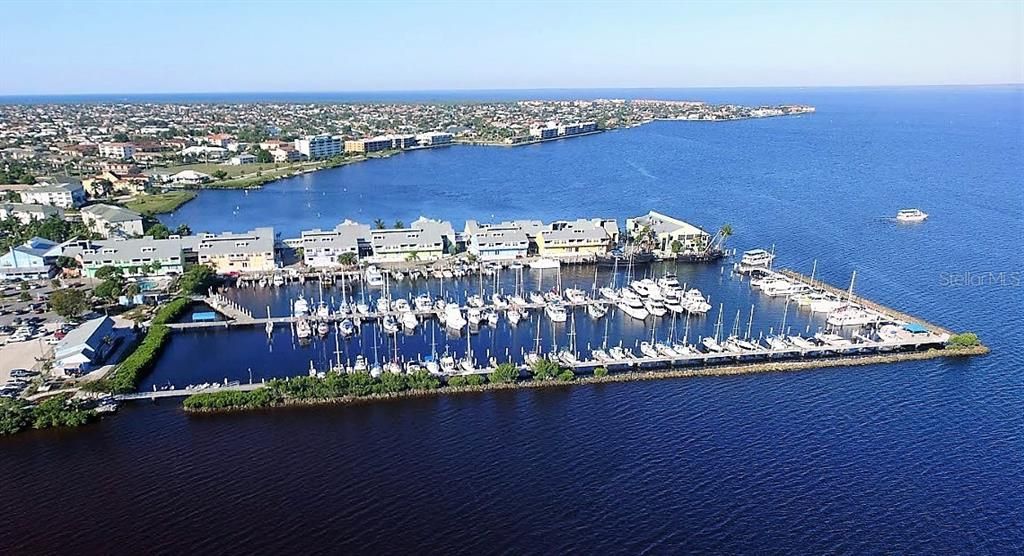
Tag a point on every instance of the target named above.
point(579, 238)
point(231, 253)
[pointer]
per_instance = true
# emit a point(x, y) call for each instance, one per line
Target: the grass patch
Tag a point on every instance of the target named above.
point(150, 204)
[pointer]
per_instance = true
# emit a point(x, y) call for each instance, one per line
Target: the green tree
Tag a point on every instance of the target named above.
point(475, 380)
point(422, 380)
point(392, 382)
point(69, 303)
point(413, 256)
point(197, 279)
point(677, 246)
point(219, 174)
point(263, 156)
point(120, 137)
point(379, 224)
point(601, 372)
point(14, 416)
point(544, 369)
point(457, 381)
point(24, 296)
point(567, 375)
point(348, 258)
point(506, 373)
point(109, 289)
point(59, 411)
point(107, 272)
point(65, 262)
point(399, 224)
point(183, 230)
point(158, 231)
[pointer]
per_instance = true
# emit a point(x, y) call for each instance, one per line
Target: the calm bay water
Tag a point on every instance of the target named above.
point(921, 457)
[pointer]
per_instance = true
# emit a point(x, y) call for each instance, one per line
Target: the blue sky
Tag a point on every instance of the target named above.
point(223, 46)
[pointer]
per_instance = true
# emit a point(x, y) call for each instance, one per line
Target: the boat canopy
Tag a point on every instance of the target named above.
point(915, 328)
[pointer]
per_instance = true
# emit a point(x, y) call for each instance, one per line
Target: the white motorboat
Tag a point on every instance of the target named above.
point(695, 303)
point(448, 365)
point(409, 320)
point(424, 303)
point(629, 293)
point(390, 324)
point(467, 364)
point(491, 316)
point(800, 342)
point(600, 355)
point(825, 305)
point(278, 280)
point(834, 340)
point(541, 264)
point(673, 302)
point(779, 288)
point(360, 365)
point(347, 328)
point(552, 297)
point(632, 307)
point(597, 310)
point(668, 282)
point(383, 305)
point(475, 300)
point(911, 215)
point(655, 307)
point(666, 350)
point(300, 306)
point(474, 315)
point(777, 342)
point(536, 298)
point(755, 259)
point(851, 315)
point(618, 353)
point(517, 301)
point(402, 306)
point(556, 312)
point(645, 287)
point(322, 328)
point(498, 301)
point(514, 315)
point(374, 277)
point(363, 309)
point(575, 295)
point(609, 294)
point(302, 329)
point(568, 357)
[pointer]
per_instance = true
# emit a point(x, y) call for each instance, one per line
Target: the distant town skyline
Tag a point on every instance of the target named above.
point(179, 47)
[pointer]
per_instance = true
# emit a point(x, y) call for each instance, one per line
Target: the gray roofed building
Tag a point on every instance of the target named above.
point(140, 256)
point(84, 347)
point(506, 240)
point(31, 260)
point(66, 195)
point(108, 220)
point(227, 253)
point(26, 212)
point(321, 248)
point(667, 230)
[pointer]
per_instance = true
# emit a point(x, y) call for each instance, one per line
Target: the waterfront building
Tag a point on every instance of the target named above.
point(189, 177)
point(569, 129)
point(434, 138)
point(110, 220)
point(205, 152)
point(135, 257)
point(319, 146)
point(219, 139)
point(571, 239)
point(321, 248)
point(31, 260)
point(282, 154)
point(26, 213)
point(544, 132)
point(660, 232)
point(84, 347)
point(120, 151)
point(64, 195)
point(424, 240)
point(109, 182)
point(244, 158)
point(369, 145)
point(231, 253)
point(491, 242)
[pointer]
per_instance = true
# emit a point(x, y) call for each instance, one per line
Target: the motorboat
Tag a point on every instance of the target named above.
point(514, 315)
point(491, 316)
point(833, 340)
point(374, 277)
point(825, 305)
point(433, 367)
point(449, 365)
point(783, 287)
point(300, 306)
point(402, 306)
point(541, 264)
point(474, 315)
point(600, 355)
point(568, 357)
point(666, 350)
point(911, 215)
point(619, 353)
point(851, 315)
point(801, 342)
point(347, 328)
point(695, 303)
point(389, 323)
point(322, 328)
point(302, 329)
point(556, 312)
point(755, 259)
point(777, 342)
point(498, 301)
point(609, 294)
point(644, 287)
point(363, 309)
point(423, 303)
point(409, 320)
point(597, 310)
point(517, 301)
point(575, 295)
point(629, 293)
point(673, 302)
point(360, 365)
point(475, 300)
point(668, 282)
point(655, 307)
point(633, 307)
point(383, 305)
point(537, 298)
point(467, 364)
point(552, 297)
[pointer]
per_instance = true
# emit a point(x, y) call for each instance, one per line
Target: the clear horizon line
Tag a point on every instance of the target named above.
point(512, 89)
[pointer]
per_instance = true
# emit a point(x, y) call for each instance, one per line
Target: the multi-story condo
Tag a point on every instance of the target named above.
point(121, 151)
point(63, 195)
point(434, 138)
point(110, 220)
point(369, 145)
point(323, 248)
point(424, 240)
point(319, 146)
point(29, 261)
point(231, 253)
point(135, 257)
point(490, 242)
point(571, 239)
point(26, 213)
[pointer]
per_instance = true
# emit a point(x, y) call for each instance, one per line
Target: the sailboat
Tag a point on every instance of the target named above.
point(270, 324)
point(711, 344)
point(850, 314)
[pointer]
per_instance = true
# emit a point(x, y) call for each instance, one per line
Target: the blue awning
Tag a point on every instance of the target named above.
point(204, 317)
point(915, 328)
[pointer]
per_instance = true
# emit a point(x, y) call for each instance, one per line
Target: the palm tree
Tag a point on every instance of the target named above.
point(413, 256)
point(379, 224)
point(399, 224)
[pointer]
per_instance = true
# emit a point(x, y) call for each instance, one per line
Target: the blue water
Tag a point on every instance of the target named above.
point(924, 457)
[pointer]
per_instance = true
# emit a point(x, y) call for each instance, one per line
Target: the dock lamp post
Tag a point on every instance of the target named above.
point(250, 375)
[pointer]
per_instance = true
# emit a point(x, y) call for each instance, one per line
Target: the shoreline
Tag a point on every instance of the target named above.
point(258, 183)
point(631, 376)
